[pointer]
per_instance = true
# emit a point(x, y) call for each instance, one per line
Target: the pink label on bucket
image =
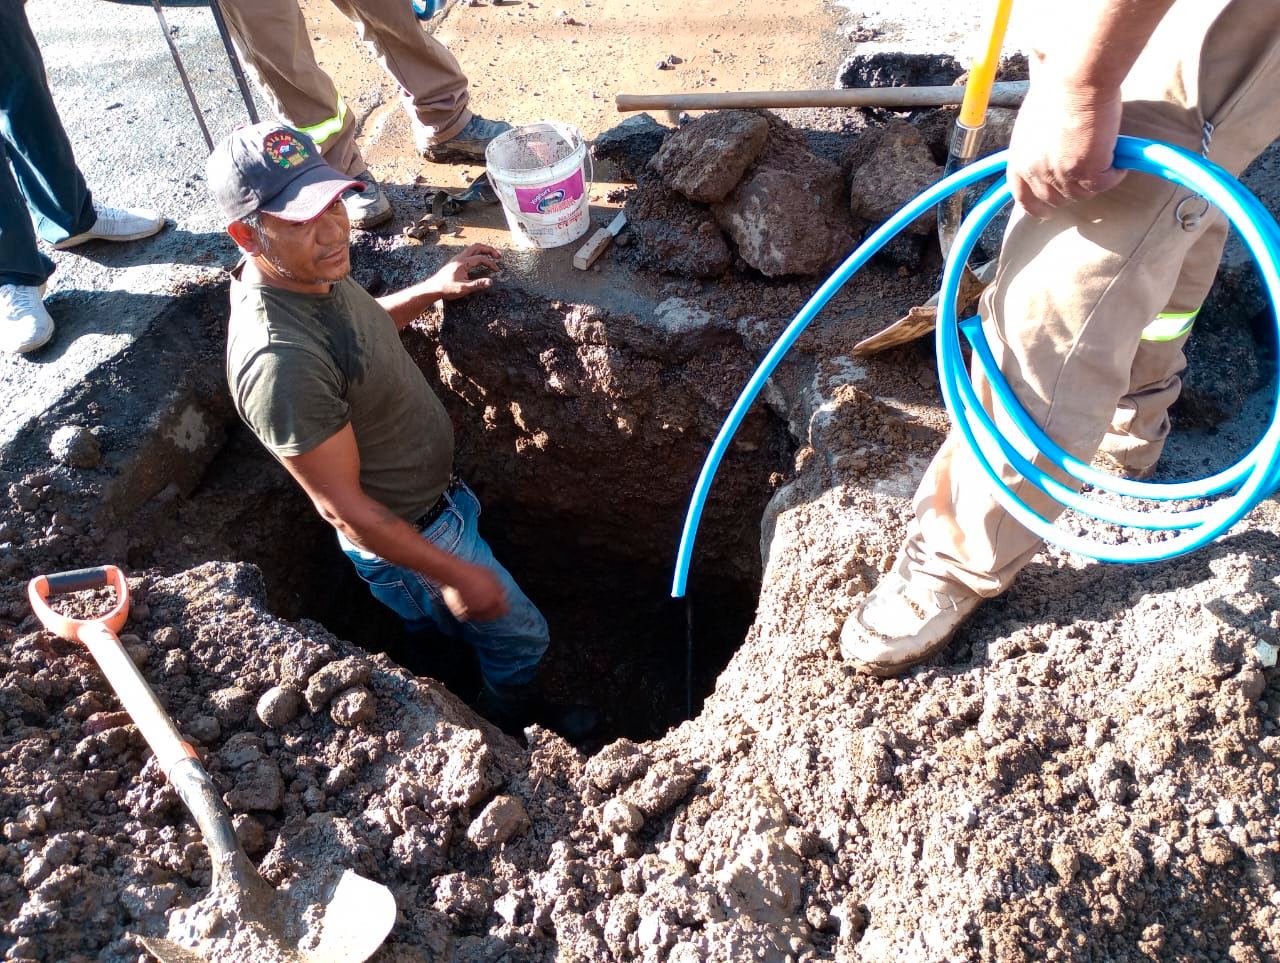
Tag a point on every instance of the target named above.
point(553, 198)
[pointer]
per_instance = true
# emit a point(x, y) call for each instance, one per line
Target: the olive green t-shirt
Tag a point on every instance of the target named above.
point(302, 366)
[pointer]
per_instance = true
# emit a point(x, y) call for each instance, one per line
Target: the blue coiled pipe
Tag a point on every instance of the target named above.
point(1241, 486)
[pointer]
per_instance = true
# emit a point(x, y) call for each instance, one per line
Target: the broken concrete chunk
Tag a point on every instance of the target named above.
point(788, 216)
point(354, 706)
point(166, 638)
point(664, 786)
point(331, 679)
point(258, 786)
point(279, 706)
point(463, 897)
point(888, 167)
point(240, 750)
point(1065, 861)
point(706, 159)
point(250, 833)
point(75, 446)
point(205, 729)
point(620, 818)
point(469, 775)
point(1266, 653)
point(501, 820)
point(231, 705)
point(616, 765)
point(631, 144)
point(673, 234)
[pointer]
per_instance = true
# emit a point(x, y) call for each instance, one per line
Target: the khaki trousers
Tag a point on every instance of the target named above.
point(273, 41)
point(1073, 294)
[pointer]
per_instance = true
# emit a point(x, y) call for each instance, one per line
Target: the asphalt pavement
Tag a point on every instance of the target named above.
point(138, 145)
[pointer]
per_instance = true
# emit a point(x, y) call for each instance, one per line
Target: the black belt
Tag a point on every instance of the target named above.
point(436, 510)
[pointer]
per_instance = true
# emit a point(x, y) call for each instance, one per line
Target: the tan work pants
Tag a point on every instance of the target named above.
point(273, 41)
point(1073, 294)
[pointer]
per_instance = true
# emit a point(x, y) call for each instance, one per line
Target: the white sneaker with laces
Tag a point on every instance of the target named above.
point(901, 624)
point(25, 325)
point(117, 224)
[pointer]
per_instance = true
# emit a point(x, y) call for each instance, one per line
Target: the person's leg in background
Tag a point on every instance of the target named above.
point(272, 39)
point(1134, 441)
point(434, 85)
point(25, 325)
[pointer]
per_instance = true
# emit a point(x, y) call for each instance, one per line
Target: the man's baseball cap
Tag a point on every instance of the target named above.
point(275, 169)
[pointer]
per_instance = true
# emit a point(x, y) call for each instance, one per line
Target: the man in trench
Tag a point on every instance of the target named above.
point(317, 371)
point(1099, 281)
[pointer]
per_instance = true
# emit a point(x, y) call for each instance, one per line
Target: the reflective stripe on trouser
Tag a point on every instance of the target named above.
point(41, 188)
point(1140, 424)
point(1170, 326)
point(327, 128)
point(274, 43)
point(1073, 293)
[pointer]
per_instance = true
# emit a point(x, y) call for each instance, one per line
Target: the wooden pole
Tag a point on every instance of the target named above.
point(901, 98)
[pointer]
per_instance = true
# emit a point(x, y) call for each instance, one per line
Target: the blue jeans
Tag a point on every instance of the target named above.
point(508, 649)
point(39, 180)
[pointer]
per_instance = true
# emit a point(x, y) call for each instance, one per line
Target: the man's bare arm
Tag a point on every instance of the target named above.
point(451, 281)
point(330, 475)
point(1065, 137)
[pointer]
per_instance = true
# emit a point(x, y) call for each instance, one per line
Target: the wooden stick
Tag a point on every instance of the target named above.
point(1002, 95)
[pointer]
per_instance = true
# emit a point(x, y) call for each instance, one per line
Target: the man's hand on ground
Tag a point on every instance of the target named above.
point(454, 280)
point(475, 595)
point(1063, 145)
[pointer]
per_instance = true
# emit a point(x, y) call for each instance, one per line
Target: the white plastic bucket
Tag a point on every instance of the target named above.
point(538, 173)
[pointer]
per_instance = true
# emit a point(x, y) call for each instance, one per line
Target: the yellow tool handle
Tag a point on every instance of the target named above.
point(977, 91)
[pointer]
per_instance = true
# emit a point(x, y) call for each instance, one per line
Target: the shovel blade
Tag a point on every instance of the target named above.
point(357, 918)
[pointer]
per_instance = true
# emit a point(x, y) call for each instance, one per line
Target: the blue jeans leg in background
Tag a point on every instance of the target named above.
point(39, 180)
point(508, 649)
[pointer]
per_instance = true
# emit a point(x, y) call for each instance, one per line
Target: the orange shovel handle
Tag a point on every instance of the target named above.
point(99, 637)
point(43, 586)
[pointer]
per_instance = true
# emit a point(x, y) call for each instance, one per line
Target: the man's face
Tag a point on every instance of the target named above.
point(314, 252)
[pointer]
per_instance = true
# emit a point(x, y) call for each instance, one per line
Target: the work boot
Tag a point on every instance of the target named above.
point(513, 707)
point(116, 224)
point(464, 147)
point(901, 624)
point(25, 325)
point(369, 207)
point(1115, 465)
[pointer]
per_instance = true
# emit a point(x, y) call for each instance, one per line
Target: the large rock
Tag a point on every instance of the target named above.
point(788, 216)
point(673, 234)
point(705, 159)
point(630, 145)
point(889, 166)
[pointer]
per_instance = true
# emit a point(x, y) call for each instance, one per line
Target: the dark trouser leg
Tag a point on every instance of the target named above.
point(20, 259)
point(39, 151)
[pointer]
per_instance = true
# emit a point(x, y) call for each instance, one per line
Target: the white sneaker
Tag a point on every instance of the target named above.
point(25, 325)
point(369, 207)
point(116, 224)
point(901, 624)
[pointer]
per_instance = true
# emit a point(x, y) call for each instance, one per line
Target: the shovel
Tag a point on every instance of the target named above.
point(353, 917)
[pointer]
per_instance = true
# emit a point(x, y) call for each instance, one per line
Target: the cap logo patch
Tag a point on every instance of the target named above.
point(284, 149)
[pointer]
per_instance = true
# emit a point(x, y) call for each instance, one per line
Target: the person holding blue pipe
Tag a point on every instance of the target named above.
point(1099, 282)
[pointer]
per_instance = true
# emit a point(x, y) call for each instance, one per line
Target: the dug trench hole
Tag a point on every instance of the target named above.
point(582, 433)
